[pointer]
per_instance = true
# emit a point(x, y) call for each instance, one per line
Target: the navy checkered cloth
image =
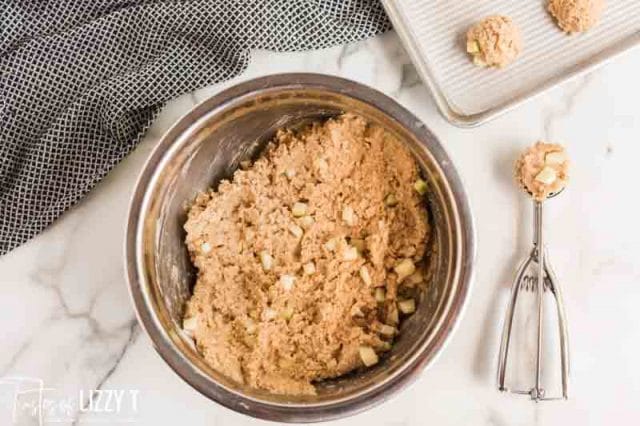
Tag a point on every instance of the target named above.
point(80, 81)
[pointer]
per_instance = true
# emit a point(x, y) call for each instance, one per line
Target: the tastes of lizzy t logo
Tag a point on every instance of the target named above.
point(26, 401)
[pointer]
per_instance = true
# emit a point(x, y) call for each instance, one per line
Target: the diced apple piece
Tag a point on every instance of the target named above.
point(348, 216)
point(307, 221)
point(473, 46)
point(478, 61)
point(546, 176)
point(296, 231)
point(392, 315)
point(420, 186)
point(287, 282)
point(356, 311)
point(266, 260)
point(387, 330)
point(556, 157)
point(250, 326)
point(415, 278)
point(309, 268)
point(386, 346)
point(407, 306)
point(269, 314)
point(404, 268)
point(364, 274)
point(368, 356)
point(189, 325)
point(380, 294)
point(330, 245)
point(299, 209)
point(287, 313)
point(322, 165)
point(349, 254)
point(391, 200)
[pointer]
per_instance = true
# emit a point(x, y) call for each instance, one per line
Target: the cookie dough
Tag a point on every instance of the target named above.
point(308, 259)
point(494, 42)
point(543, 169)
point(575, 16)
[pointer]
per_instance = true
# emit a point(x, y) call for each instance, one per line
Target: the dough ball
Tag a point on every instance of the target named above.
point(574, 16)
point(494, 42)
point(293, 252)
point(542, 170)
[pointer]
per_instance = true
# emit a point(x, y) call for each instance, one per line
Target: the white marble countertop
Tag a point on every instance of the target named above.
point(67, 319)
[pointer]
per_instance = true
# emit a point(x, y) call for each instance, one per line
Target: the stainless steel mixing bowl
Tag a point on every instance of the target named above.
point(207, 145)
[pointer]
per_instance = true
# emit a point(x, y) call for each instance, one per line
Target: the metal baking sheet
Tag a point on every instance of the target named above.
point(434, 34)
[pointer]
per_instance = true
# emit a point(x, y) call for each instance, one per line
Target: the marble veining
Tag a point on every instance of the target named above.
point(67, 319)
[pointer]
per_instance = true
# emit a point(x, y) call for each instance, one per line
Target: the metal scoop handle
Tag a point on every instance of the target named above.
point(544, 269)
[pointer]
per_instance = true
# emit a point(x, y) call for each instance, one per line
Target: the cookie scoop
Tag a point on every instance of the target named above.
point(542, 171)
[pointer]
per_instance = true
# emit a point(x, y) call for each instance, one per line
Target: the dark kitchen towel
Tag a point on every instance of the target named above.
point(81, 80)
